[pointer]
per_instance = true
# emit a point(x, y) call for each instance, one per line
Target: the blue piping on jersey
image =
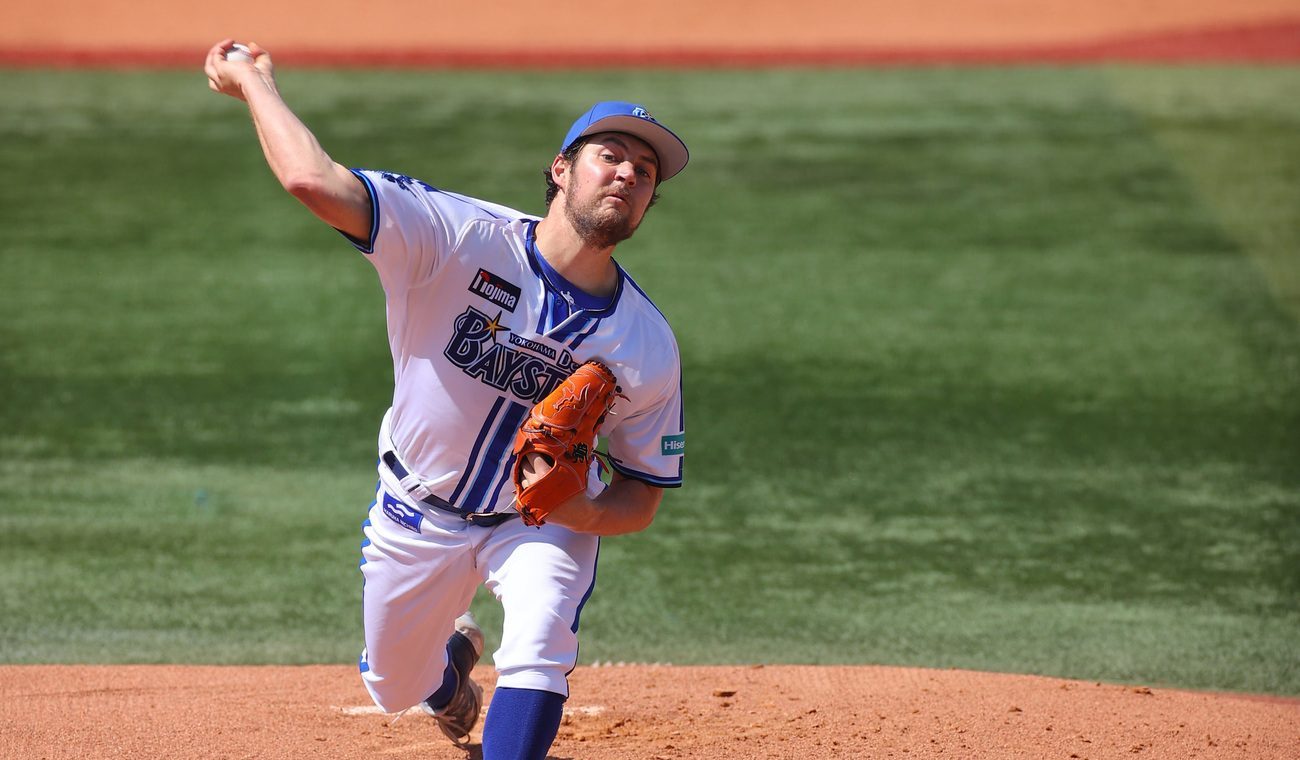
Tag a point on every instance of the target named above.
point(573, 345)
point(595, 563)
point(502, 441)
point(506, 473)
point(681, 420)
point(473, 454)
point(553, 310)
point(577, 322)
point(577, 298)
point(638, 289)
point(365, 541)
point(369, 246)
point(534, 261)
point(653, 480)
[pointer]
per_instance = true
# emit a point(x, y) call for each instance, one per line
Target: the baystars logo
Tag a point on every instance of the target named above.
point(474, 349)
point(641, 113)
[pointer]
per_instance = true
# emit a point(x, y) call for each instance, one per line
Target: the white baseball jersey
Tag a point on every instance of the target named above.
point(481, 328)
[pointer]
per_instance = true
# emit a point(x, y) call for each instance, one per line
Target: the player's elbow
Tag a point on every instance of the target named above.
point(312, 192)
point(640, 502)
point(645, 516)
point(337, 198)
point(650, 507)
point(309, 187)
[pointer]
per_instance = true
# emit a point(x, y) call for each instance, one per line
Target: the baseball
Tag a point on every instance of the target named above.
point(239, 53)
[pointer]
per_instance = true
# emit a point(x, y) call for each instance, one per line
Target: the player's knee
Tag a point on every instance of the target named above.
point(393, 695)
point(538, 658)
point(552, 677)
point(398, 688)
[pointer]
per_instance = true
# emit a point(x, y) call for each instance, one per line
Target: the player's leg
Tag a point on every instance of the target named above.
point(457, 702)
point(542, 578)
point(419, 576)
point(521, 724)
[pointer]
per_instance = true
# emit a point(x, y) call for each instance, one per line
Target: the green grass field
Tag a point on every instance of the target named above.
point(985, 368)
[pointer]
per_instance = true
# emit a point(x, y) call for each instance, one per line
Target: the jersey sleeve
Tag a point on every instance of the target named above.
point(410, 231)
point(414, 226)
point(650, 445)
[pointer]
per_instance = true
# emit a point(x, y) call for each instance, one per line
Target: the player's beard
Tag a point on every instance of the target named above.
point(600, 227)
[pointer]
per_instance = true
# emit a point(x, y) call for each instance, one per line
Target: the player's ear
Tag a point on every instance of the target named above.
point(560, 171)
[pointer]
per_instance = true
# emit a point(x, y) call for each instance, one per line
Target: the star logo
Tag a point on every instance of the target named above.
point(494, 326)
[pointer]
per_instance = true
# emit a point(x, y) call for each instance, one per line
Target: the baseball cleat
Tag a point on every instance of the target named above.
point(458, 717)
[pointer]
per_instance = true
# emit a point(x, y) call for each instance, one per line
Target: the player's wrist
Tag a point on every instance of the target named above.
point(578, 513)
point(253, 83)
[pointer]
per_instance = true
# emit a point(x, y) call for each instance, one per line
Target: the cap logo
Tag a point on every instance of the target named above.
point(641, 113)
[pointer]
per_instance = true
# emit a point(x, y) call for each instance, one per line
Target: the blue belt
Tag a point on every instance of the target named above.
point(481, 519)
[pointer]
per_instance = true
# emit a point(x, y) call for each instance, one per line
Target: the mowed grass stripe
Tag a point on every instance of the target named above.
point(1222, 129)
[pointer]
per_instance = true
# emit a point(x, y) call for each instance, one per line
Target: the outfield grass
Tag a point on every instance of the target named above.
point(986, 368)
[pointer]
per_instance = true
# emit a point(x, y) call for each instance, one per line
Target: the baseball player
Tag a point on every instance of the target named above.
point(489, 311)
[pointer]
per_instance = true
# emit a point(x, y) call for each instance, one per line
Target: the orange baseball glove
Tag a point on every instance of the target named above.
point(562, 428)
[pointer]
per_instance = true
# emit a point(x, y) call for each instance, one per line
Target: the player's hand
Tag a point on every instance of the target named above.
point(233, 77)
point(534, 467)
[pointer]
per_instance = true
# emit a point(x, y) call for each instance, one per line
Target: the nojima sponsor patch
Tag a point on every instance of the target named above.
point(495, 289)
point(673, 445)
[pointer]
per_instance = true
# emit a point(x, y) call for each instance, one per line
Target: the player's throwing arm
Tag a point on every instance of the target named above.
point(329, 189)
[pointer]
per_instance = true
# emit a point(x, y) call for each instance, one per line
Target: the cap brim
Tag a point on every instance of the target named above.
point(668, 147)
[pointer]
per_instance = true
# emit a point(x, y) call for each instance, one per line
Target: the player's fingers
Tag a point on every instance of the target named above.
point(213, 69)
point(215, 53)
point(534, 467)
point(261, 57)
point(219, 50)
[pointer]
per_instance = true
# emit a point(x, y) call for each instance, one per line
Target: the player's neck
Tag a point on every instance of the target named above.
point(589, 267)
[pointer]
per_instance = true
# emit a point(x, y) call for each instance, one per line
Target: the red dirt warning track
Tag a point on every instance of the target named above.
point(638, 712)
point(566, 33)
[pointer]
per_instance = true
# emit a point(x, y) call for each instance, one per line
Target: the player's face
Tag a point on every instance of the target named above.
point(610, 184)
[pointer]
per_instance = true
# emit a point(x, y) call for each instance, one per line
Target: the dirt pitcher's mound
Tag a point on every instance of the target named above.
point(54, 711)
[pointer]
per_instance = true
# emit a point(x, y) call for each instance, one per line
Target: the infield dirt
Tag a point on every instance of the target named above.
point(638, 712)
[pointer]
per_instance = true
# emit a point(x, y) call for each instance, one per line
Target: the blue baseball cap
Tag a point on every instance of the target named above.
point(635, 120)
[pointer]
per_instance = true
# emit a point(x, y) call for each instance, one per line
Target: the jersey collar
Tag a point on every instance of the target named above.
point(578, 299)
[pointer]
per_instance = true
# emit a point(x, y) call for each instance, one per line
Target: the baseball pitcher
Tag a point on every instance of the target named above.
point(517, 341)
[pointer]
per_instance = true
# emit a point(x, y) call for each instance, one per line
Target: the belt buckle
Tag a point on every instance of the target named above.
point(488, 519)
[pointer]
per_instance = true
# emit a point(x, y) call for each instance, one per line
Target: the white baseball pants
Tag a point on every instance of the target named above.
point(422, 567)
